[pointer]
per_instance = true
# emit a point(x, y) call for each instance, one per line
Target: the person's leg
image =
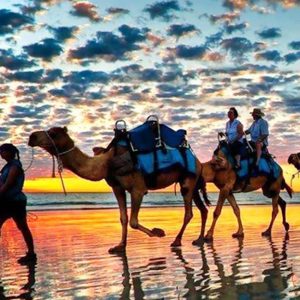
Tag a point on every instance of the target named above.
point(258, 152)
point(2, 221)
point(22, 225)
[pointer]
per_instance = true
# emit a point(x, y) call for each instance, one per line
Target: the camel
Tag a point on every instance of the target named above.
point(294, 159)
point(57, 142)
point(221, 172)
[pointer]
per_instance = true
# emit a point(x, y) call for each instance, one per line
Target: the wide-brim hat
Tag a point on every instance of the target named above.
point(257, 112)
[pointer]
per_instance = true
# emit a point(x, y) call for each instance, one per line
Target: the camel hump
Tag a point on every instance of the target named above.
point(98, 150)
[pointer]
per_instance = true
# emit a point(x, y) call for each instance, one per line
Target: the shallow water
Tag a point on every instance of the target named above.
point(73, 261)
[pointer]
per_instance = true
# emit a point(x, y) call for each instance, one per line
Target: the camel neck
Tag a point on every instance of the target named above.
point(91, 168)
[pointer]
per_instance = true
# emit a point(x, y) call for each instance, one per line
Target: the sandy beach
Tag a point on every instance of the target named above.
point(74, 263)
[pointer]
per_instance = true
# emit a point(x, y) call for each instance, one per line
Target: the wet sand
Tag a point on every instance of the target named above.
point(74, 263)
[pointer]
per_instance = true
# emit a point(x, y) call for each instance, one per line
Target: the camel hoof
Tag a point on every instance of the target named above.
point(208, 239)
point(158, 232)
point(198, 242)
point(117, 249)
point(176, 244)
point(286, 226)
point(238, 235)
point(266, 233)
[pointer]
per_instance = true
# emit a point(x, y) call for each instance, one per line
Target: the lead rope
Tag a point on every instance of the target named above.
point(30, 164)
point(59, 163)
point(293, 176)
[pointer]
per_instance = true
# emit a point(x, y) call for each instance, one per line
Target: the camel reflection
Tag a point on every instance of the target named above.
point(234, 281)
point(133, 281)
point(27, 290)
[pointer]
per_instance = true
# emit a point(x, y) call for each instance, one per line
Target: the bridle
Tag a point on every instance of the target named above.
point(59, 162)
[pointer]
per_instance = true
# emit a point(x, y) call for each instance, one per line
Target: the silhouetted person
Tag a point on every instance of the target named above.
point(12, 200)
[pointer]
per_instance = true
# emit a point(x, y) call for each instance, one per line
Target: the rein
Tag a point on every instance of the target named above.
point(293, 176)
point(59, 162)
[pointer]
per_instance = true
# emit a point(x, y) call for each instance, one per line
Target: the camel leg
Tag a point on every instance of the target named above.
point(204, 212)
point(188, 214)
point(121, 197)
point(274, 214)
point(282, 205)
point(222, 196)
point(236, 210)
point(136, 200)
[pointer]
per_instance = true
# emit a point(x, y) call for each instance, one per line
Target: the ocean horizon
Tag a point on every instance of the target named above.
point(58, 201)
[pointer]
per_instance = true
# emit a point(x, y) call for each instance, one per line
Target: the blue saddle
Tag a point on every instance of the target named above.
point(165, 160)
point(143, 138)
point(266, 165)
point(158, 148)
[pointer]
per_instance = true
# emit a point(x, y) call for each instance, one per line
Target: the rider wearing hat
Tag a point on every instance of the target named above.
point(259, 132)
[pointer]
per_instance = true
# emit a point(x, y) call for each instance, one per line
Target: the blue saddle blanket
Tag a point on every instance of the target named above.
point(143, 138)
point(267, 167)
point(166, 160)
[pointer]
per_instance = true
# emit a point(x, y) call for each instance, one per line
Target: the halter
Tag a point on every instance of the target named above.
point(59, 162)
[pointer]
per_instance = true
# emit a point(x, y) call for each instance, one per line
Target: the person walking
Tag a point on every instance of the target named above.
point(12, 199)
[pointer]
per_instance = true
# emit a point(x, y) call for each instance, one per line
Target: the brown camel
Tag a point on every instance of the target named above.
point(221, 173)
point(57, 142)
point(294, 159)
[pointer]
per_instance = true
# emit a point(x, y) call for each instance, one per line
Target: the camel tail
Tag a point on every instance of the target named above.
point(284, 185)
point(201, 185)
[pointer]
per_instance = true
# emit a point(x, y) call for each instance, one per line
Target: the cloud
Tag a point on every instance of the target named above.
point(163, 10)
point(85, 9)
point(179, 30)
point(292, 57)
point(270, 33)
point(295, 45)
point(190, 52)
point(133, 34)
point(87, 76)
point(214, 39)
point(177, 91)
point(109, 46)
point(272, 55)
point(10, 21)
point(26, 76)
point(238, 47)
point(235, 27)
point(63, 33)
point(12, 62)
point(117, 11)
point(45, 49)
point(227, 17)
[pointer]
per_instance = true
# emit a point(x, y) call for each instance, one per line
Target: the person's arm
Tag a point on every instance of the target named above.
point(240, 131)
point(264, 131)
point(11, 179)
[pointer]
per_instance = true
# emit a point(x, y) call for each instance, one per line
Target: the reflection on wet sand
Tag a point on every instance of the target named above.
point(73, 262)
point(275, 284)
point(27, 290)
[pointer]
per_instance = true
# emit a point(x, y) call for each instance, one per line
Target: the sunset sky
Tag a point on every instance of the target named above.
point(86, 64)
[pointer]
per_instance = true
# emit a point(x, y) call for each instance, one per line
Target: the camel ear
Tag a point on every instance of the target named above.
point(65, 129)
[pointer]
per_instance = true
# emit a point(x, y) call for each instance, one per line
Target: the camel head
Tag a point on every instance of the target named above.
point(295, 160)
point(55, 140)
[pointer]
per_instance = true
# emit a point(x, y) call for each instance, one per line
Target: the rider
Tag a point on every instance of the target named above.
point(234, 133)
point(259, 132)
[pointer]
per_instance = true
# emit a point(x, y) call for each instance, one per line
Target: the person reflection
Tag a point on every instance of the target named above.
point(27, 290)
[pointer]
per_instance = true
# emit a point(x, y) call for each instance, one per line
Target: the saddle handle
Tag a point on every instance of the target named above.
point(120, 125)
